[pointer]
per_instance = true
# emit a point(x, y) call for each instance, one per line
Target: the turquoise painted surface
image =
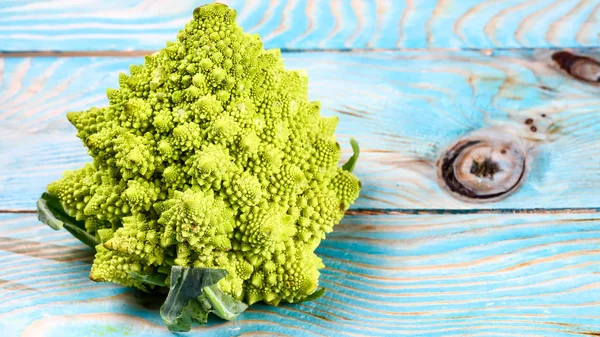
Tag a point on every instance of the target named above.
point(89, 25)
point(391, 275)
point(403, 107)
point(459, 272)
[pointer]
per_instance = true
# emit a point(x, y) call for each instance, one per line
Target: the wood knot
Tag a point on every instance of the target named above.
point(482, 167)
point(581, 67)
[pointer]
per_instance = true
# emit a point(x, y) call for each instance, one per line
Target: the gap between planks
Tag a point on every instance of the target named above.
point(138, 53)
point(418, 211)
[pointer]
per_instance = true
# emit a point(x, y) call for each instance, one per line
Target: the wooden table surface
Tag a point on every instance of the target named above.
point(407, 78)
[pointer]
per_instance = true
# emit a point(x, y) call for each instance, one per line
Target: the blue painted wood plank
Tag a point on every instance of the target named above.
point(403, 107)
point(76, 25)
point(386, 275)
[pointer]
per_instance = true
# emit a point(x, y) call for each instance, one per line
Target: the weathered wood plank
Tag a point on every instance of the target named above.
point(403, 107)
point(434, 275)
point(74, 25)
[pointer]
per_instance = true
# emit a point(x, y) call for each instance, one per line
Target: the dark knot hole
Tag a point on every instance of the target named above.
point(485, 169)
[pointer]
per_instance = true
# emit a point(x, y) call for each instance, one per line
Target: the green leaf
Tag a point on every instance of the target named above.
point(81, 234)
point(51, 213)
point(318, 293)
point(46, 216)
point(349, 166)
point(193, 295)
point(155, 279)
point(222, 304)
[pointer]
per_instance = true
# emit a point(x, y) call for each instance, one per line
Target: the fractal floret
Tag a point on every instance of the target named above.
point(213, 175)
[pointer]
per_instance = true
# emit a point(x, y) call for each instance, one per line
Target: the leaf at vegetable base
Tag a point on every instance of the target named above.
point(193, 295)
point(51, 213)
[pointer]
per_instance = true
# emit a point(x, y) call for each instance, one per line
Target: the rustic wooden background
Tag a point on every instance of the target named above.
point(406, 78)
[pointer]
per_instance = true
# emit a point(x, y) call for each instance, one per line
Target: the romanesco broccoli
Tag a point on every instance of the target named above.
point(209, 156)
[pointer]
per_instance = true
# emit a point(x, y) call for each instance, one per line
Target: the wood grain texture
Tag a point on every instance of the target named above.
point(403, 107)
point(75, 25)
point(426, 275)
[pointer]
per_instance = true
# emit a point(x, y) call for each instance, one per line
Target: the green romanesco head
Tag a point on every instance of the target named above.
point(210, 155)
